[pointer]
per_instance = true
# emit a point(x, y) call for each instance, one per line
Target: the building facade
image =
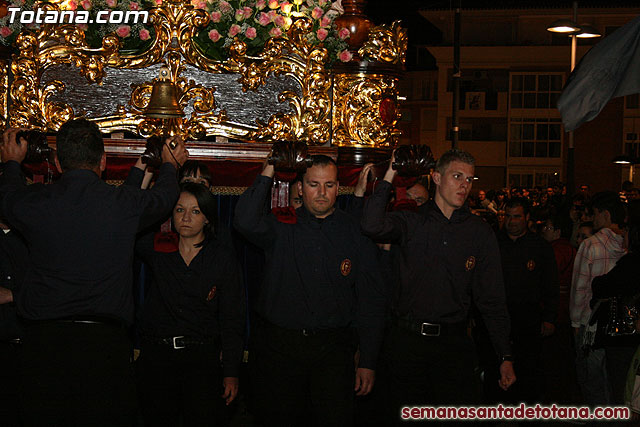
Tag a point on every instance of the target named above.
point(512, 74)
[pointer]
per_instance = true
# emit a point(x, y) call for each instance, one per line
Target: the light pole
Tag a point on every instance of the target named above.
point(573, 30)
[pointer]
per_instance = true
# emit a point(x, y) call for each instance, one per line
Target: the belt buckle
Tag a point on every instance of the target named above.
point(175, 344)
point(430, 334)
point(306, 332)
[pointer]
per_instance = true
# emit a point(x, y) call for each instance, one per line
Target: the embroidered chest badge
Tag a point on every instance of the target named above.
point(212, 293)
point(470, 263)
point(345, 267)
point(531, 265)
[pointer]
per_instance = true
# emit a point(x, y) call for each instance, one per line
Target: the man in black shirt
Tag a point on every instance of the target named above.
point(531, 285)
point(448, 258)
point(76, 297)
point(321, 284)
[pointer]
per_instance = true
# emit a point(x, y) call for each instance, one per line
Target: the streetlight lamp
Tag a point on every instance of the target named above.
point(626, 160)
point(573, 30)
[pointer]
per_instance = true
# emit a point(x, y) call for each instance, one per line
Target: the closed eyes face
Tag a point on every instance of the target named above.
point(319, 189)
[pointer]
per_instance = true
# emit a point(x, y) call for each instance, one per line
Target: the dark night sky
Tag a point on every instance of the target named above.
point(421, 32)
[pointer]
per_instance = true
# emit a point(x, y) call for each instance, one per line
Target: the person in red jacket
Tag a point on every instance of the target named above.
point(560, 384)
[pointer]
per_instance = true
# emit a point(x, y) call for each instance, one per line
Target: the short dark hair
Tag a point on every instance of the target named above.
point(518, 201)
point(207, 204)
point(79, 145)
point(319, 160)
point(610, 201)
point(322, 160)
point(190, 168)
point(453, 156)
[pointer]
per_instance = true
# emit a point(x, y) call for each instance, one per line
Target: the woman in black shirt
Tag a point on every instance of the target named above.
point(193, 317)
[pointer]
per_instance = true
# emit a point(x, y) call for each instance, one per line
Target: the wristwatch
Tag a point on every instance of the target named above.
point(506, 358)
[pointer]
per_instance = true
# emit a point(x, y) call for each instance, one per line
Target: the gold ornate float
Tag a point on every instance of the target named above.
point(317, 99)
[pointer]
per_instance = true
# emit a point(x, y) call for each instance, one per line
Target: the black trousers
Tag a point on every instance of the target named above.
point(180, 384)
point(429, 371)
point(300, 380)
point(76, 374)
point(9, 376)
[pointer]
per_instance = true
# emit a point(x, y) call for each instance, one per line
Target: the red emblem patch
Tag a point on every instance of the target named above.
point(212, 293)
point(531, 265)
point(345, 267)
point(470, 263)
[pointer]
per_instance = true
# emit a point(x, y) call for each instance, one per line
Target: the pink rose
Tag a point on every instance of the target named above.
point(325, 21)
point(112, 3)
point(144, 34)
point(239, 15)
point(247, 12)
point(158, 2)
point(322, 34)
point(261, 4)
point(344, 33)
point(273, 4)
point(86, 4)
point(317, 13)
point(225, 6)
point(272, 15)
point(234, 30)
point(275, 32)
point(214, 35)
point(215, 16)
point(279, 21)
point(264, 19)
point(251, 33)
point(285, 7)
point(199, 4)
point(345, 56)
point(72, 5)
point(134, 6)
point(5, 31)
point(123, 31)
point(322, 3)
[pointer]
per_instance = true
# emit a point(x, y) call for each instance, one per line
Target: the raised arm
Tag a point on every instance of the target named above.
point(251, 219)
point(159, 200)
point(376, 222)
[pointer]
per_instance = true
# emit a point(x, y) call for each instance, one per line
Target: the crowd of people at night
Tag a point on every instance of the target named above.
point(425, 293)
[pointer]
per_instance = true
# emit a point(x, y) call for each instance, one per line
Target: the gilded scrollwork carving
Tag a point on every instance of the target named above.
point(294, 56)
point(387, 44)
point(4, 87)
point(53, 44)
point(357, 111)
point(353, 101)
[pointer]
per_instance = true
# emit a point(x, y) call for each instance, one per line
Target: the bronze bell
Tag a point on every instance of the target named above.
point(163, 103)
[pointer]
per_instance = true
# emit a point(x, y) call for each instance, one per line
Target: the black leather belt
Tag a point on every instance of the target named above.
point(179, 342)
point(430, 329)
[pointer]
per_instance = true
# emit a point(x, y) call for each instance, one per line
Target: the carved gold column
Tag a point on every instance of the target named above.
point(365, 94)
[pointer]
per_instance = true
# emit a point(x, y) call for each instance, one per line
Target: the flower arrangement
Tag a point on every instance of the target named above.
point(255, 21)
point(250, 21)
